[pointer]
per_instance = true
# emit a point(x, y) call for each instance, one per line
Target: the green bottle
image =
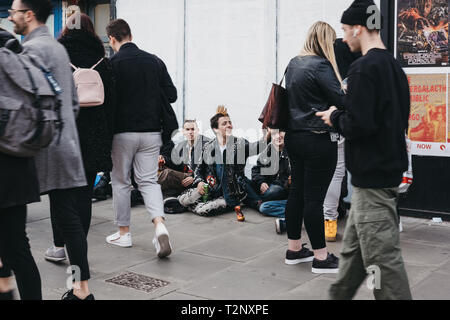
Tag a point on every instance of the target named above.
point(206, 195)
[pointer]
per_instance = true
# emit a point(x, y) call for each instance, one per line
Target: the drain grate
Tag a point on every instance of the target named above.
point(138, 282)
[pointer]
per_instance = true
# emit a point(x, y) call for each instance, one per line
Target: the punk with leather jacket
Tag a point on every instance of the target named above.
point(228, 166)
point(282, 169)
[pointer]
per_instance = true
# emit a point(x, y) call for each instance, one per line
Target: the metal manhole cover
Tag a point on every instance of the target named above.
point(138, 282)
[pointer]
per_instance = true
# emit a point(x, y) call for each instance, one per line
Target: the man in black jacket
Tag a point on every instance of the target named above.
point(144, 88)
point(374, 123)
point(178, 162)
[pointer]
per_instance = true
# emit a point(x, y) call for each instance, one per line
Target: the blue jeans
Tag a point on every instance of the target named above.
point(274, 208)
point(275, 193)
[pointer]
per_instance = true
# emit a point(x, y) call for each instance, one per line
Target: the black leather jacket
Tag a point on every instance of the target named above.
point(177, 156)
point(234, 169)
point(282, 169)
point(311, 86)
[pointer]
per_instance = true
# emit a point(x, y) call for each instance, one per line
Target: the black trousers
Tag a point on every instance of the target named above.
point(16, 255)
point(313, 160)
point(84, 207)
point(71, 212)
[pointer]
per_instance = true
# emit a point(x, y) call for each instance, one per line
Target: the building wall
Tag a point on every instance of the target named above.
point(226, 51)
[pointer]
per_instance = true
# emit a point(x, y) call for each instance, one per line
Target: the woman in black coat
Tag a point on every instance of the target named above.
point(313, 84)
point(18, 187)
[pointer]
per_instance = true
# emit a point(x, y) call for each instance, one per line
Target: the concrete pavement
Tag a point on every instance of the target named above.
point(221, 258)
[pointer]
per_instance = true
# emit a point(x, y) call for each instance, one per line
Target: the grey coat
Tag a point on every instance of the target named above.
point(59, 166)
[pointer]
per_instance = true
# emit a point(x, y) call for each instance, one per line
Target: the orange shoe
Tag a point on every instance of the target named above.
point(330, 230)
point(239, 214)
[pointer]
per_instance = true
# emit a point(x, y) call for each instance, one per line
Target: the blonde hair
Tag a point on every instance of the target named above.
point(320, 42)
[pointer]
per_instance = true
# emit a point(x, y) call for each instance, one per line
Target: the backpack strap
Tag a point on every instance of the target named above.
point(57, 90)
point(95, 65)
point(74, 68)
point(36, 102)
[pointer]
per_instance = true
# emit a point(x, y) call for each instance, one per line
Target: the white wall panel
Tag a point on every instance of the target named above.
point(230, 58)
point(228, 48)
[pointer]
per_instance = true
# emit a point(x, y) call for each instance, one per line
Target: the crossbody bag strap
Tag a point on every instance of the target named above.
point(95, 65)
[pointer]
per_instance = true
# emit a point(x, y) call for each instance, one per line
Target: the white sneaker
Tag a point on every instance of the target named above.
point(55, 254)
point(161, 241)
point(118, 240)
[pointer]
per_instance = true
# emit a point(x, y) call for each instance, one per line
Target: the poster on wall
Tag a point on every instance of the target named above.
point(422, 33)
point(429, 115)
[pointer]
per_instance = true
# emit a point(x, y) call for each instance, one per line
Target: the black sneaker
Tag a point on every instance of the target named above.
point(71, 297)
point(280, 226)
point(296, 257)
point(330, 265)
point(6, 296)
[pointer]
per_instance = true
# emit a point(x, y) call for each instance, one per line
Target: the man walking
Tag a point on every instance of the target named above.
point(143, 85)
point(374, 123)
point(59, 166)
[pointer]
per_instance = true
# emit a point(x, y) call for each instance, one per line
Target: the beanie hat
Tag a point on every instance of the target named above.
point(357, 14)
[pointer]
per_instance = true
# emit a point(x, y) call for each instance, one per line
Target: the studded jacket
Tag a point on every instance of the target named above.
point(234, 166)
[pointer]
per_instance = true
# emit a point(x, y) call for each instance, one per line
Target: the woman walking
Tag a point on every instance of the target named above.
point(313, 84)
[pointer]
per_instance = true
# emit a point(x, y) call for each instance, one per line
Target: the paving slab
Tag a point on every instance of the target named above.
point(106, 258)
point(434, 287)
point(183, 267)
point(444, 268)
point(315, 289)
point(221, 258)
point(423, 254)
point(432, 234)
point(239, 285)
point(235, 247)
point(273, 262)
point(180, 296)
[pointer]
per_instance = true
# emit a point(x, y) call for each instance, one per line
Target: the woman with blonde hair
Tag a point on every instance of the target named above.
point(313, 84)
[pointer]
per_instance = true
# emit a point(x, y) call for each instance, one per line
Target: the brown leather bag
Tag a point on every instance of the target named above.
point(275, 113)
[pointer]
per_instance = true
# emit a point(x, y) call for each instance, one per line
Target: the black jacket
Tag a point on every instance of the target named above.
point(375, 121)
point(144, 89)
point(95, 124)
point(344, 57)
point(311, 86)
point(282, 169)
point(18, 181)
point(182, 163)
point(235, 170)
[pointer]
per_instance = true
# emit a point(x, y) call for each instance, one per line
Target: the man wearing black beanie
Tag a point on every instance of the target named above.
point(374, 123)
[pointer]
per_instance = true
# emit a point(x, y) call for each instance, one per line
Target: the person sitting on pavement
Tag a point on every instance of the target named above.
point(178, 162)
point(271, 181)
point(221, 172)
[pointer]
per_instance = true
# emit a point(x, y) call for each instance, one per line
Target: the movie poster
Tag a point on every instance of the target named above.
point(429, 115)
point(422, 33)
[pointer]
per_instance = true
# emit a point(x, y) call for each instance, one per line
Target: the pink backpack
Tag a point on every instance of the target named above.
point(89, 84)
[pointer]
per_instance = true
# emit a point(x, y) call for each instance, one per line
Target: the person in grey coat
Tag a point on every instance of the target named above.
point(59, 166)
